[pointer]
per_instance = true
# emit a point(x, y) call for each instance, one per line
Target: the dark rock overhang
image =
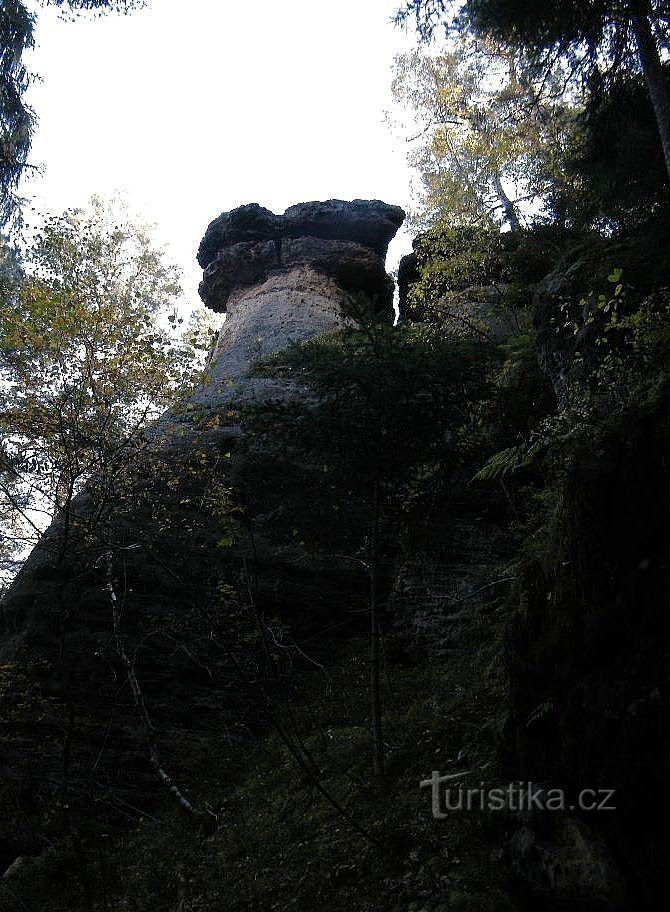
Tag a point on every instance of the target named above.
point(345, 240)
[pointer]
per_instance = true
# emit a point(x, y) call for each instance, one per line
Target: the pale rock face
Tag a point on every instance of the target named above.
point(286, 308)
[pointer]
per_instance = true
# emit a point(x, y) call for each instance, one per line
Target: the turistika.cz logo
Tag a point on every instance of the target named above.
point(447, 795)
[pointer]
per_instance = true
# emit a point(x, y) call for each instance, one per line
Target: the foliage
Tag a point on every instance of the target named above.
point(617, 372)
point(598, 40)
point(390, 404)
point(390, 408)
point(606, 187)
point(86, 362)
point(468, 269)
point(452, 259)
point(257, 790)
point(578, 30)
point(567, 27)
point(103, 6)
point(486, 150)
point(16, 119)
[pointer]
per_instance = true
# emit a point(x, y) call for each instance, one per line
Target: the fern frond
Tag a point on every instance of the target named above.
point(504, 462)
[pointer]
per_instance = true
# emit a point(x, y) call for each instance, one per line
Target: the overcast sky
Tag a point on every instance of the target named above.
point(189, 109)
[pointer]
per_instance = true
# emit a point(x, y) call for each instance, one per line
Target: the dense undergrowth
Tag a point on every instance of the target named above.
point(278, 844)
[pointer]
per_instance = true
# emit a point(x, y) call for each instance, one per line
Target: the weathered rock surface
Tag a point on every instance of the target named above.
point(344, 240)
point(368, 222)
point(250, 223)
point(284, 308)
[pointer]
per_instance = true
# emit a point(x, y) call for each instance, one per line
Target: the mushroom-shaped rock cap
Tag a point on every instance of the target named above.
point(371, 223)
point(345, 240)
point(246, 223)
point(367, 222)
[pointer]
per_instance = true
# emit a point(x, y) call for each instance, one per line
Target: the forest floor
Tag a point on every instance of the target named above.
point(279, 842)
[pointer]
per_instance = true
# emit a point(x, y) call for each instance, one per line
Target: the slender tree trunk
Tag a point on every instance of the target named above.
point(650, 62)
point(138, 696)
point(507, 204)
point(375, 693)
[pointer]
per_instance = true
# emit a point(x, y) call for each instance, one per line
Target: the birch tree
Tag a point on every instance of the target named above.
point(483, 151)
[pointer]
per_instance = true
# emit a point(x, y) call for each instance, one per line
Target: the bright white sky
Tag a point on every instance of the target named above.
point(192, 108)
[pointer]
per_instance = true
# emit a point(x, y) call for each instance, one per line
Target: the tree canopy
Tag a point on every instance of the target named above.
point(90, 353)
point(485, 150)
point(559, 106)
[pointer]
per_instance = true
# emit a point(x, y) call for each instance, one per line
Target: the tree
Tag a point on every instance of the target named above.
point(86, 362)
point(390, 413)
point(17, 120)
point(484, 151)
point(596, 38)
point(605, 187)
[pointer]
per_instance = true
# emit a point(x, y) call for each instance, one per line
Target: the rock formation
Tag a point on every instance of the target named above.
point(472, 311)
point(286, 278)
point(151, 545)
point(148, 643)
point(344, 240)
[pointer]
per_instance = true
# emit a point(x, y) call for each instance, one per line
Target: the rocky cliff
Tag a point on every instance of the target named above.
point(113, 672)
point(586, 647)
